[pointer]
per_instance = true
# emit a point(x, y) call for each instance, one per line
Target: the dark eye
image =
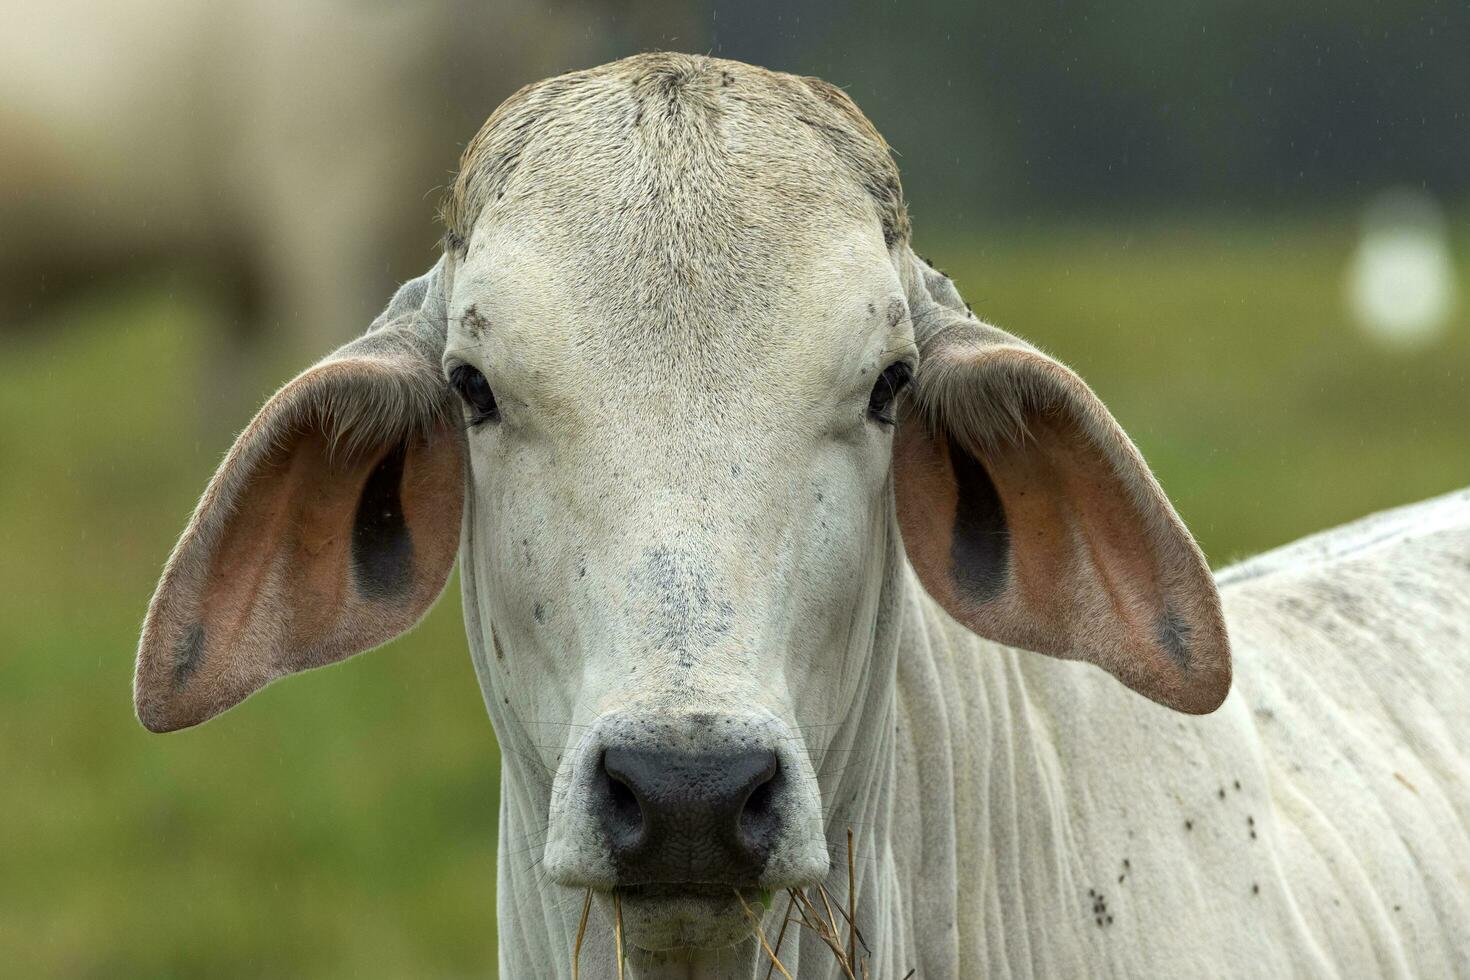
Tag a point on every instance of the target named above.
point(886, 389)
point(475, 391)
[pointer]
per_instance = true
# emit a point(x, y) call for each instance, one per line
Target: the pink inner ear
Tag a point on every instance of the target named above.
point(1081, 541)
point(1083, 561)
point(319, 555)
point(279, 576)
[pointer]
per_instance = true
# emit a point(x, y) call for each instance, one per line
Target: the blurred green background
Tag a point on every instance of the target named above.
point(1244, 223)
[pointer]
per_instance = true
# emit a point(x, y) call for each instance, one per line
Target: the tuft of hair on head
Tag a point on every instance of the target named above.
point(493, 156)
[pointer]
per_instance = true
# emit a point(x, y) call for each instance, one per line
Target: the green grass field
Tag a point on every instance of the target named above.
point(343, 823)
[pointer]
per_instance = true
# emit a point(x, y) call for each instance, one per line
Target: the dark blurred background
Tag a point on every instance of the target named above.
point(1245, 222)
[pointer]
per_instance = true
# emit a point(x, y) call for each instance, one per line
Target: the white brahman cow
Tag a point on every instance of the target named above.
point(756, 527)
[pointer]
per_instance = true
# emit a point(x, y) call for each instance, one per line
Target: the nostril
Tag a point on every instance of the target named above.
point(758, 815)
point(625, 814)
point(760, 800)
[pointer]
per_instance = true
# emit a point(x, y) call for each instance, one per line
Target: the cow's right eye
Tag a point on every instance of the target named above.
point(475, 391)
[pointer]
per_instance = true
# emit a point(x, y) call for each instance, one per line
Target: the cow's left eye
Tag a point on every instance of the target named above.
point(475, 391)
point(886, 389)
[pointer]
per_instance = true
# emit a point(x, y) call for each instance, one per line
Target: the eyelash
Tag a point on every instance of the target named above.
point(886, 389)
point(474, 390)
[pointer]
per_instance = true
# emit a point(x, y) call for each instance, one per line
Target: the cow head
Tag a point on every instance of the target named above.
point(682, 396)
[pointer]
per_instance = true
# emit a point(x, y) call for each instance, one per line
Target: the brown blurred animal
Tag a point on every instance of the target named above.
point(276, 153)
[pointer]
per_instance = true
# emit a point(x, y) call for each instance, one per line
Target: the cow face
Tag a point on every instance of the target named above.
point(676, 533)
point(684, 398)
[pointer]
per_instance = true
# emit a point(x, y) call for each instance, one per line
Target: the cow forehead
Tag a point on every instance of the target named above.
point(677, 230)
point(811, 310)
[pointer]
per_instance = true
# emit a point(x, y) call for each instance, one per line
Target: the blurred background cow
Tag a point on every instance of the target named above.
point(1244, 221)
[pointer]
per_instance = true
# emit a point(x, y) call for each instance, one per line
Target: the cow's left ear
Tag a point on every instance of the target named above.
point(1031, 517)
point(330, 527)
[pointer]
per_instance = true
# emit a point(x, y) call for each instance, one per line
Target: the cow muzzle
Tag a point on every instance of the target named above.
point(678, 814)
point(703, 818)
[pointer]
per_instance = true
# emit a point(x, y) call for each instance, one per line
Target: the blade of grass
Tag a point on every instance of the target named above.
point(851, 903)
point(810, 917)
point(822, 894)
point(861, 941)
point(761, 934)
point(780, 937)
point(814, 923)
point(618, 930)
point(581, 934)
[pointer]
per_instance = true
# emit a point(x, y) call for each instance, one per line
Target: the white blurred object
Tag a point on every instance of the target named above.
point(1401, 281)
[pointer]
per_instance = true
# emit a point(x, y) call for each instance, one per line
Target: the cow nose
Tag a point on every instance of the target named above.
point(704, 818)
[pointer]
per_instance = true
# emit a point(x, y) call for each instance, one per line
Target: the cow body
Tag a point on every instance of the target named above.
point(1019, 817)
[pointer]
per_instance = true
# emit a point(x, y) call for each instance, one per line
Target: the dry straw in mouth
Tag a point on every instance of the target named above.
point(851, 950)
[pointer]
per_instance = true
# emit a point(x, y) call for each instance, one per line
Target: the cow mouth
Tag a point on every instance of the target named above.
point(675, 915)
point(687, 889)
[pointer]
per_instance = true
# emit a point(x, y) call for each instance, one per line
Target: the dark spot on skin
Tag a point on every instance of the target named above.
point(1347, 605)
point(895, 312)
point(1173, 635)
point(539, 612)
point(734, 469)
point(872, 310)
point(1295, 605)
point(1237, 786)
point(727, 79)
point(1222, 792)
point(980, 545)
point(495, 640)
point(581, 571)
point(382, 548)
point(1120, 878)
point(686, 615)
point(1189, 825)
point(1255, 889)
point(188, 654)
point(474, 322)
point(1126, 865)
point(1100, 908)
point(820, 497)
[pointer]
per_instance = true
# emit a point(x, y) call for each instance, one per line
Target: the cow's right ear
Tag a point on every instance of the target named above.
point(330, 528)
